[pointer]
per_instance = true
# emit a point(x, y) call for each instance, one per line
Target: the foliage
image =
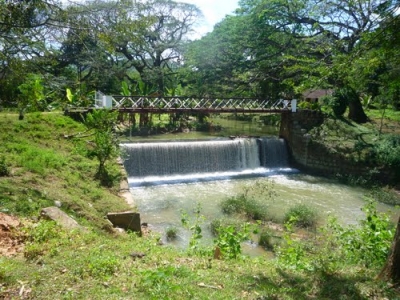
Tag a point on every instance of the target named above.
point(338, 103)
point(47, 167)
point(252, 201)
point(4, 169)
point(157, 282)
point(194, 226)
point(368, 244)
point(32, 94)
point(79, 98)
point(385, 195)
point(172, 233)
point(387, 151)
point(105, 144)
point(301, 215)
point(309, 105)
point(229, 240)
point(292, 253)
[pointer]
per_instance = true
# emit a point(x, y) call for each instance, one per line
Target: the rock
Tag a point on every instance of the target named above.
point(58, 203)
point(127, 220)
point(135, 255)
point(60, 217)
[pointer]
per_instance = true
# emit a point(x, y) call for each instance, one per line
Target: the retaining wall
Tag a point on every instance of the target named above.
point(309, 155)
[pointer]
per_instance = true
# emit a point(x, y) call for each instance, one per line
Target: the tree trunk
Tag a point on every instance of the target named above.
point(391, 270)
point(356, 111)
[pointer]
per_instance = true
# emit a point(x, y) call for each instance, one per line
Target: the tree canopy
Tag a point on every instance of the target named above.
point(267, 48)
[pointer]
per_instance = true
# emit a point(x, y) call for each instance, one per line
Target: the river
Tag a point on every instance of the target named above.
point(161, 205)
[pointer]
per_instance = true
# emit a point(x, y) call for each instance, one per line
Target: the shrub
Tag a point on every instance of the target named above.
point(172, 233)
point(253, 201)
point(301, 215)
point(387, 151)
point(265, 239)
point(370, 242)
point(338, 102)
point(4, 171)
point(230, 238)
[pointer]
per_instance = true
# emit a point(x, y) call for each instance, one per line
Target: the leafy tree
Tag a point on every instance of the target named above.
point(332, 34)
point(148, 36)
point(105, 145)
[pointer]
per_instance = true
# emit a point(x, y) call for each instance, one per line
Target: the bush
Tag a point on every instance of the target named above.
point(370, 242)
point(253, 201)
point(253, 209)
point(4, 171)
point(265, 239)
point(387, 151)
point(309, 105)
point(230, 238)
point(338, 102)
point(171, 233)
point(301, 215)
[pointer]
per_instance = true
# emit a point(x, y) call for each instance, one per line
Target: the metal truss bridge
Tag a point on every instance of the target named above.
point(164, 104)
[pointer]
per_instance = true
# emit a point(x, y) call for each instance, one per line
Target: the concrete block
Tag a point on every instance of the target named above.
point(127, 220)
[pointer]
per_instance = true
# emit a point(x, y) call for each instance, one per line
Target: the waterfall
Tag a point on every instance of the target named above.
point(203, 157)
point(273, 153)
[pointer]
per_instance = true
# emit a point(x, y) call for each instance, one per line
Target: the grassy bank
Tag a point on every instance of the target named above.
point(43, 158)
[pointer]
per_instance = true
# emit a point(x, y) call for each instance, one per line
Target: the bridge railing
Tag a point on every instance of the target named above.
point(191, 103)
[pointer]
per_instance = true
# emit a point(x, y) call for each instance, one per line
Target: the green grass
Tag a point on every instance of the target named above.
point(45, 167)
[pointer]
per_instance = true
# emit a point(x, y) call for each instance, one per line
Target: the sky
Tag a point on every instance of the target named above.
point(213, 11)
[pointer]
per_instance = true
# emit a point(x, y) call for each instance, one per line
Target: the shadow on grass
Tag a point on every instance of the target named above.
point(288, 284)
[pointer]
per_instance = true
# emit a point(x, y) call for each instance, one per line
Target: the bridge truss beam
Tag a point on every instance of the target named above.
point(190, 104)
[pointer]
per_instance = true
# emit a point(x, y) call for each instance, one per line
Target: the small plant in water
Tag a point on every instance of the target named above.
point(230, 238)
point(194, 226)
point(253, 201)
point(172, 233)
point(265, 239)
point(302, 215)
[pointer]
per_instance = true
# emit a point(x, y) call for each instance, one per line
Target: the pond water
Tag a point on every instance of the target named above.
point(230, 127)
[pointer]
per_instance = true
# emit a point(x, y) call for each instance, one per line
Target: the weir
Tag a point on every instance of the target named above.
point(166, 161)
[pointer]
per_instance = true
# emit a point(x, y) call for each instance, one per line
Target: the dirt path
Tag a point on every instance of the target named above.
point(10, 238)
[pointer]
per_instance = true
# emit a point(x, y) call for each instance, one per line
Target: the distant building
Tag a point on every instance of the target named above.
point(315, 95)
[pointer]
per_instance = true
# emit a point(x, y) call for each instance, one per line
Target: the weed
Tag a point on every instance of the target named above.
point(4, 170)
point(253, 201)
point(370, 242)
point(385, 195)
point(265, 239)
point(172, 233)
point(194, 226)
point(230, 237)
point(293, 253)
point(301, 215)
point(159, 283)
point(43, 231)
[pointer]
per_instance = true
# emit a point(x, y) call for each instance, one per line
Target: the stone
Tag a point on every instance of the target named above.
point(127, 220)
point(60, 217)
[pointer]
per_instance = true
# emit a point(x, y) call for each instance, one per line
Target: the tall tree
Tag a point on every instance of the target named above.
point(25, 36)
point(149, 35)
point(330, 30)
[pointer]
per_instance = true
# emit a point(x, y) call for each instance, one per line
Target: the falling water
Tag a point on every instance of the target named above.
point(183, 160)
